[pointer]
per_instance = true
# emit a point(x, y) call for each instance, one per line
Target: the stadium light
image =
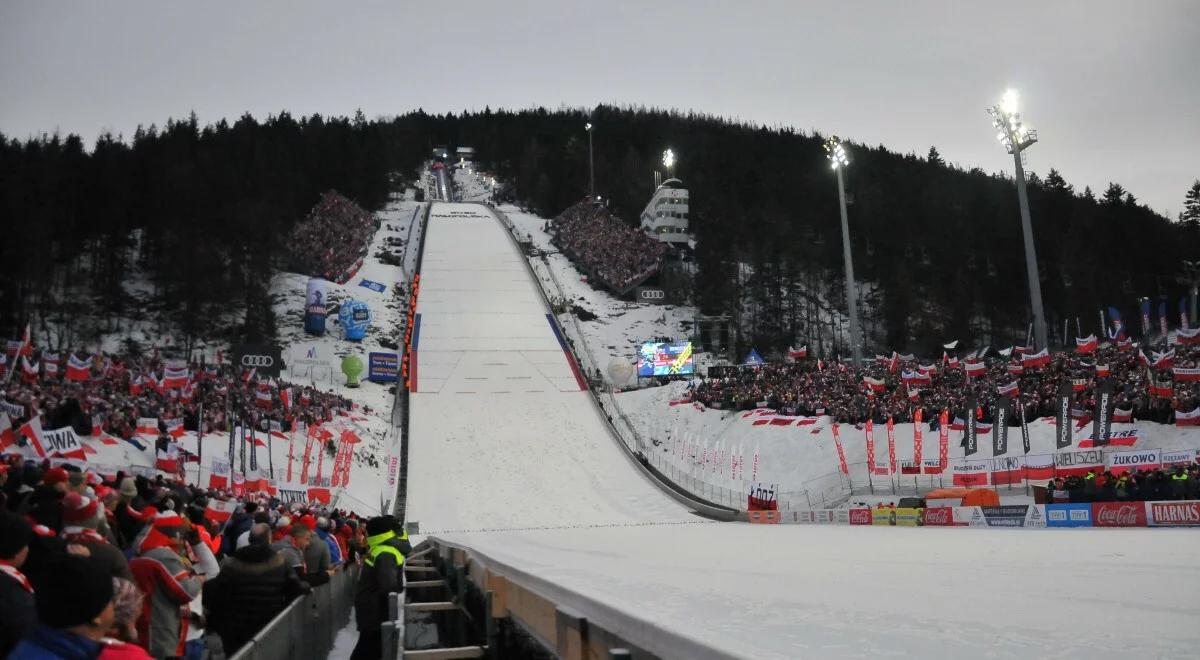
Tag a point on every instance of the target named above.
point(591, 166)
point(668, 161)
point(838, 161)
point(1016, 137)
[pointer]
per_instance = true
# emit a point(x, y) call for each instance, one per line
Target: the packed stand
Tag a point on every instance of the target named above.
point(1173, 483)
point(332, 240)
point(128, 567)
point(898, 386)
point(615, 254)
point(110, 393)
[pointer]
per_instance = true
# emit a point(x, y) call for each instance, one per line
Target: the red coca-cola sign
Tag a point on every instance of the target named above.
point(1118, 514)
point(1175, 513)
point(939, 516)
point(860, 516)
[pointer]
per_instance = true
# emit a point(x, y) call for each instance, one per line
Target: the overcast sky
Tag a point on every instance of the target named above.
point(1112, 86)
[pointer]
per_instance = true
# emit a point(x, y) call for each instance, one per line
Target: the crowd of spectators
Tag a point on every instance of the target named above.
point(132, 568)
point(611, 252)
point(333, 239)
point(814, 387)
point(120, 389)
point(1177, 483)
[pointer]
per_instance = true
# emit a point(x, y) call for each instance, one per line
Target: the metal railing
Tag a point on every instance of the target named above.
point(307, 627)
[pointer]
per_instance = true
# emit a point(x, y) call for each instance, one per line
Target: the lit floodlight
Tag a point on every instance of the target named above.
point(668, 159)
point(836, 153)
point(1009, 102)
point(587, 126)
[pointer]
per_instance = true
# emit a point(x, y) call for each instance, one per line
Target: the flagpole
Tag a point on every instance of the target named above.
point(271, 454)
point(200, 445)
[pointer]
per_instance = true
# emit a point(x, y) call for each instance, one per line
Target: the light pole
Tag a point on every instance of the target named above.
point(1016, 137)
point(837, 160)
point(1192, 268)
point(668, 161)
point(591, 167)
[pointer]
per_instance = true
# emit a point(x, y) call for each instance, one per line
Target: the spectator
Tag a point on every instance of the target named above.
point(74, 610)
point(45, 504)
point(81, 519)
point(292, 547)
point(323, 533)
point(254, 586)
point(17, 614)
point(316, 556)
point(162, 574)
point(382, 574)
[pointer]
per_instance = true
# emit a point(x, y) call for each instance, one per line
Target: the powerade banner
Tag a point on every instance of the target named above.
point(1000, 426)
point(314, 306)
point(662, 359)
point(267, 359)
point(1024, 425)
point(1102, 424)
point(1062, 416)
point(382, 367)
point(1068, 515)
point(355, 317)
point(971, 431)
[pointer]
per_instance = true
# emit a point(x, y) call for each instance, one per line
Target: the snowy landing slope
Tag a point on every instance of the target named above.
point(503, 436)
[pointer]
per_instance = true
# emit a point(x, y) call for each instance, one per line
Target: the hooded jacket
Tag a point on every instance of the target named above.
point(254, 586)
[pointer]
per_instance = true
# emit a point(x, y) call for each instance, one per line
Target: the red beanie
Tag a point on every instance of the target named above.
point(55, 476)
point(78, 508)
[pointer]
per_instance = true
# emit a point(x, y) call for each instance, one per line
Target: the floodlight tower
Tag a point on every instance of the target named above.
point(838, 161)
point(1016, 137)
point(668, 161)
point(591, 167)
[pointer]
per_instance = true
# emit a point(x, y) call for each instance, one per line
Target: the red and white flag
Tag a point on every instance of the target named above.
point(1039, 359)
point(1039, 467)
point(1086, 344)
point(285, 397)
point(219, 511)
point(1187, 337)
point(147, 426)
point(1011, 389)
point(174, 428)
point(32, 430)
point(79, 370)
point(970, 472)
point(876, 384)
point(975, 369)
point(837, 441)
point(175, 375)
point(8, 438)
point(1183, 418)
point(1164, 360)
point(891, 433)
point(1186, 375)
point(917, 438)
point(798, 353)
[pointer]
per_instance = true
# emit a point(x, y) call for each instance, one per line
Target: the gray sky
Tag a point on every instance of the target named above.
point(1113, 87)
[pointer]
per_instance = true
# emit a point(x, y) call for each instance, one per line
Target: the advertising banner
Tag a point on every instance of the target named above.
point(1008, 515)
point(383, 367)
point(1173, 514)
point(1008, 470)
point(941, 516)
point(970, 473)
point(1119, 514)
point(650, 294)
point(664, 359)
point(355, 317)
point(1062, 416)
point(315, 307)
point(1175, 458)
point(1068, 515)
point(377, 287)
point(1120, 462)
point(860, 516)
point(970, 440)
point(1000, 426)
point(1102, 420)
point(266, 359)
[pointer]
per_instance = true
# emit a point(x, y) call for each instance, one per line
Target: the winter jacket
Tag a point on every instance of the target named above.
point(316, 558)
point(169, 586)
point(239, 524)
point(382, 574)
point(45, 507)
point(45, 643)
point(335, 551)
point(111, 649)
point(254, 586)
point(18, 615)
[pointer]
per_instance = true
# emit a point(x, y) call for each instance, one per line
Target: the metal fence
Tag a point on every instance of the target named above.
point(306, 628)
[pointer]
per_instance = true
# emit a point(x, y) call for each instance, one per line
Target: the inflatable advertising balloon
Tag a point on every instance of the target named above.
point(314, 307)
point(352, 366)
point(355, 317)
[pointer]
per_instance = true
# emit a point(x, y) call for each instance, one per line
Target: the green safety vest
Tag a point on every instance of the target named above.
point(1179, 477)
point(378, 545)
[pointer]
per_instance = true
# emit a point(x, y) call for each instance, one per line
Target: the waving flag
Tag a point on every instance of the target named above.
point(875, 384)
point(1188, 337)
point(1012, 389)
point(79, 370)
point(1086, 344)
point(1187, 418)
point(974, 369)
point(29, 371)
point(1118, 327)
point(1103, 371)
point(1039, 359)
point(7, 437)
point(915, 378)
point(32, 430)
point(798, 353)
point(1163, 360)
point(837, 440)
point(175, 377)
point(1079, 384)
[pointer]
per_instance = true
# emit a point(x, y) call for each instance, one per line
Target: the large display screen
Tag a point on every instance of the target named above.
point(662, 359)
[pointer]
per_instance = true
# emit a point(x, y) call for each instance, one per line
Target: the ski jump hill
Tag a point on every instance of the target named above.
point(514, 474)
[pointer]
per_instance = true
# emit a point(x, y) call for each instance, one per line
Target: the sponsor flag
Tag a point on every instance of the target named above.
point(837, 441)
point(1086, 344)
point(1118, 326)
point(1162, 317)
point(1062, 416)
point(1102, 420)
point(891, 435)
point(917, 419)
point(1039, 467)
point(1024, 424)
point(970, 441)
point(1145, 307)
point(1000, 434)
point(943, 440)
point(872, 459)
point(1183, 313)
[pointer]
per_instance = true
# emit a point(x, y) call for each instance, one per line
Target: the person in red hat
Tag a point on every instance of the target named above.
point(169, 583)
point(45, 503)
point(81, 521)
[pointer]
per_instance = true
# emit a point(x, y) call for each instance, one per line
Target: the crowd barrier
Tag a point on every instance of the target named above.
point(307, 627)
point(1171, 513)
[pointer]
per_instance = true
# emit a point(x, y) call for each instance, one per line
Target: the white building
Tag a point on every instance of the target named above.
point(666, 216)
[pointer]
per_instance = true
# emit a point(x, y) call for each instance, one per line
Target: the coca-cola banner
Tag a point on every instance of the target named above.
point(1118, 514)
point(1119, 462)
point(1174, 514)
point(970, 473)
point(942, 516)
point(860, 516)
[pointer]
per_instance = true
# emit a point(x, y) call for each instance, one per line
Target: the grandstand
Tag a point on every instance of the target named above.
point(611, 253)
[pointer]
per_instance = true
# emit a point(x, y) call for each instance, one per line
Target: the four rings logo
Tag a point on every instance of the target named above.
point(258, 361)
point(650, 294)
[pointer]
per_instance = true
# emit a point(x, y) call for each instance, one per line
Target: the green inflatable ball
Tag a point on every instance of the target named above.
point(352, 366)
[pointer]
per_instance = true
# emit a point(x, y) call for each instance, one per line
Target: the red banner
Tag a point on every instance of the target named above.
point(860, 516)
point(971, 473)
point(1174, 514)
point(891, 431)
point(941, 516)
point(837, 440)
point(1118, 514)
point(943, 439)
point(917, 439)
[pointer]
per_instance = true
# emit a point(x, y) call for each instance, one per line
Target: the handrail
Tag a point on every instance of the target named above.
point(306, 628)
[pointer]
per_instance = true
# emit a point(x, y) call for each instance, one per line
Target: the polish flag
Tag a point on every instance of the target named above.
point(914, 395)
point(1007, 470)
point(147, 426)
point(1039, 467)
point(1181, 418)
point(975, 369)
point(798, 353)
point(1188, 337)
point(262, 399)
point(168, 461)
point(1186, 375)
point(1122, 416)
point(1012, 389)
point(1079, 384)
point(79, 370)
point(970, 473)
point(1103, 371)
point(1039, 359)
point(1086, 344)
point(219, 511)
point(175, 428)
point(175, 377)
point(1015, 369)
point(7, 437)
point(1163, 360)
point(32, 430)
point(877, 385)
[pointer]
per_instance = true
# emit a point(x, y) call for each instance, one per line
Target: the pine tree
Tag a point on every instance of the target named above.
point(1088, 194)
point(1055, 182)
point(1113, 195)
point(935, 158)
point(1191, 205)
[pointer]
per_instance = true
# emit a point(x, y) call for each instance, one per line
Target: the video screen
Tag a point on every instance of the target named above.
point(661, 359)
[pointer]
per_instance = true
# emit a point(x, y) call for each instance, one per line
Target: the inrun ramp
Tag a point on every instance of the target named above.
point(503, 431)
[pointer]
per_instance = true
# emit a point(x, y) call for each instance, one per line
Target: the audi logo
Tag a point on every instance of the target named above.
point(653, 295)
point(257, 361)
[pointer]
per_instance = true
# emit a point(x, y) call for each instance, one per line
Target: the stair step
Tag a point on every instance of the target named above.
point(425, 583)
point(430, 607)
point(447, 654)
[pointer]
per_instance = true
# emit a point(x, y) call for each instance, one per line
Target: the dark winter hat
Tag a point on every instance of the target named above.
point(381, 524)
point(74, 591)
point(15, 533)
